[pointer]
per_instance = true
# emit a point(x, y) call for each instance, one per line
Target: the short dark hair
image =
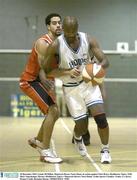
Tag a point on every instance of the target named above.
point(48, 18)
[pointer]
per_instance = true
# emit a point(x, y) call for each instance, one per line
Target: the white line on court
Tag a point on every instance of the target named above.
point(57, 168)
point(88, 156)
point(65, 126)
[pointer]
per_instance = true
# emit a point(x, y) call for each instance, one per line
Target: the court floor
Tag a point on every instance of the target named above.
point(17, 155)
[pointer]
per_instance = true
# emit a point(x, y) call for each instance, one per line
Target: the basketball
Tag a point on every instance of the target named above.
point(94, 73)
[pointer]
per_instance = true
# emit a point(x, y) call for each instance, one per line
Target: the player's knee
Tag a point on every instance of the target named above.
point(101, 121)
point(54, 111)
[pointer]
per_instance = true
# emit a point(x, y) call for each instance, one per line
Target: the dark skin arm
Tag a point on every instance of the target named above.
point(102, 59)
point(98, 53)
point(103, 90)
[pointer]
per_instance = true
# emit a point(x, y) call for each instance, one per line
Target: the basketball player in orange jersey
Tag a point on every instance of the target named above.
point(34, 84)
point(75, 49)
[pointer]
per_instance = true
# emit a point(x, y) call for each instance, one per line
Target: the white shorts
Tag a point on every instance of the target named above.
point(79, 98)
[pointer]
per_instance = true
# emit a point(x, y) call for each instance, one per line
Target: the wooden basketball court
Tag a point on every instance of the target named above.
point(17, 156)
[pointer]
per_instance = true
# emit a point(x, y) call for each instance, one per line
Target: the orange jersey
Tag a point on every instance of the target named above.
point(32, 68)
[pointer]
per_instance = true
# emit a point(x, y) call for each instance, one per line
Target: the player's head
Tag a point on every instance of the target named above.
point(53, 23)
point(70, 28)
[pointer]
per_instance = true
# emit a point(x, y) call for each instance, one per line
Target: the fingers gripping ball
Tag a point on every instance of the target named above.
point(94, 73)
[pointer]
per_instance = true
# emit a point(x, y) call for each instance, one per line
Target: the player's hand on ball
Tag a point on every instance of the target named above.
point(75, 72)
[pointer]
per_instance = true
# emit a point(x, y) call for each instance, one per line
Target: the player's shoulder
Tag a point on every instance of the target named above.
point(41, 44)
point(91, 39)
point(84, 35)
point(44, 40)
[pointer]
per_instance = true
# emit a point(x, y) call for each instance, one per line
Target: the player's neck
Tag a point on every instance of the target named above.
point(51, 36)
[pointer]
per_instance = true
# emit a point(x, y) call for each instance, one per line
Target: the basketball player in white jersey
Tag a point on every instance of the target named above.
point(75, 49)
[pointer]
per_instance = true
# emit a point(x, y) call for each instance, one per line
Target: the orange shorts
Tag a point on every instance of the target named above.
point(39, 94)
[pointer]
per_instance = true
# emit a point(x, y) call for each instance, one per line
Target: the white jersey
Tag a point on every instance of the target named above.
point(78, 95)
point(70, 59)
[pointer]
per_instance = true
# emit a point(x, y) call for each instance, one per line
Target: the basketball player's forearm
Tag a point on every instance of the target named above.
point(102, 58)
point(42, 75)
point(98, 53)
point(103, 90)
point(104, 63)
